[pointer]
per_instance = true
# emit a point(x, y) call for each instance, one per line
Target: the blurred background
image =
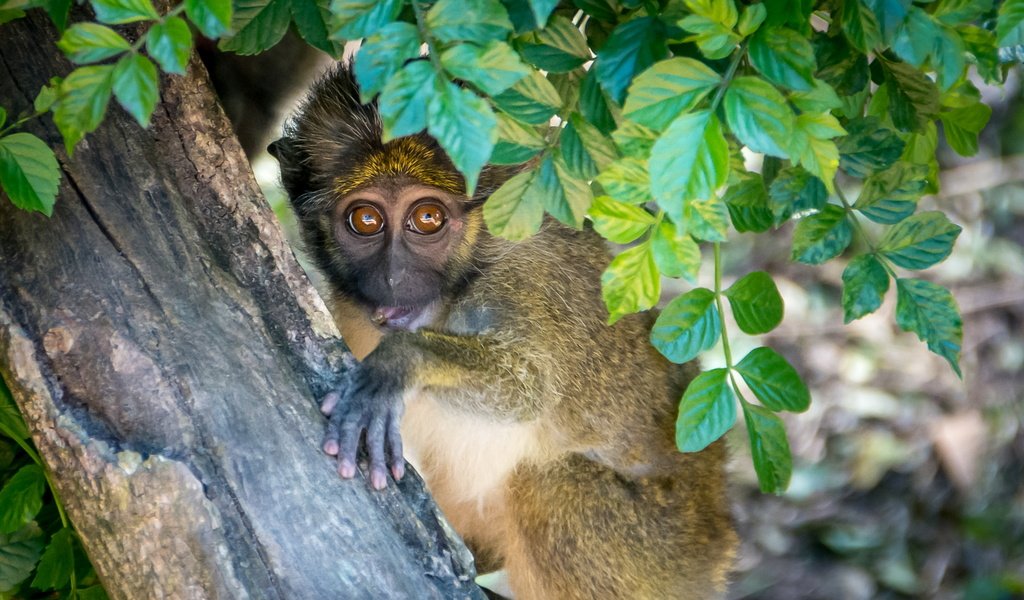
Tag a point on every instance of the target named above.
point(907, 482)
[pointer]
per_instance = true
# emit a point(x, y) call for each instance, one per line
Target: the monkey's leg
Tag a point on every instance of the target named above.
point(581, 530)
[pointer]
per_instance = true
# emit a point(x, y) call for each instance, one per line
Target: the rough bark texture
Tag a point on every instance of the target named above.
point(166, 349)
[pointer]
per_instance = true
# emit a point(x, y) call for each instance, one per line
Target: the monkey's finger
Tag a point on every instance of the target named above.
point(394, 436)
point(375, 449)
point(329, 402)
point(348, 443)
point(330, 445)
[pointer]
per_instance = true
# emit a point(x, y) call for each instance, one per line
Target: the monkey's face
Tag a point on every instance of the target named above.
point(399, 243)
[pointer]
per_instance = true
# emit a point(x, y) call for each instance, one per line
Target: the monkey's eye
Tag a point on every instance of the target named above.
point(428, 217)
point(365, 220)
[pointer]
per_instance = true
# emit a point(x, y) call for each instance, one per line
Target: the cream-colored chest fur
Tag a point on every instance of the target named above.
point(466, 458)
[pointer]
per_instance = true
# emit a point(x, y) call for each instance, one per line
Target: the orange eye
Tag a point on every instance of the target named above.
point(365, 220)
point(427, 218)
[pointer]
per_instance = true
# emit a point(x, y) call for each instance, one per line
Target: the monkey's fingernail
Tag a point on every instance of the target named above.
point(331, 447)
point(398, 471)
point(378, 479)
point(346, 469)
point(327, 404)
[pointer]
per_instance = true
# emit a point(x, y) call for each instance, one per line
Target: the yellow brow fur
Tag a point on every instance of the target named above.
point(404, 156)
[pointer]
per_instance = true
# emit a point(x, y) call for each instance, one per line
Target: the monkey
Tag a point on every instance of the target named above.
point(545, 435)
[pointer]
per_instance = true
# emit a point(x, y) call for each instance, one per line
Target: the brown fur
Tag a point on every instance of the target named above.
point(545, 435)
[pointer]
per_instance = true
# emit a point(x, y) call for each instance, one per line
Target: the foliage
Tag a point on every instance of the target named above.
point(40, 554)
point(660, 106)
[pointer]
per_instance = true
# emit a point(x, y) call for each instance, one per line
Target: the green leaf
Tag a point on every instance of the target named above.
point(492, 68)
point(533, 100)
point(915, 37)
point(29, 174)
point(514, 211)
point(860, 26)
point(594, 104)
point(913, 97)
point(705, 219)
point(170, 44)
point(783, 56)
point(962, 126)
point(759, 116)
point(794, 190)
point(630, 283)
point(565, 197)
point(354, 19)
point(117, 12)
point(689, 161)
point(11, 422)
point(840, 65)
point(56, 563)
point(821, 236)
point(84, 95)
point(95, 592)
point(956, 12)
point(310, 17)
point(47, 96)
point(714, 39)
point(469, 20)
point(542, 10)
point(920, 241)
point(669, 88)
point(865, 283)
point(756, 303)
point(689, 325)
point(706, 411)
point(588, 149)
point(211, 17)
point(136, 86)
point(821, 98)
point(891, 196)
point(58, 11)
point(465, 126)
point(769, 448)
point(868, 147)
point(559, 47)
point(676, 255)
point(722, 12)
point(633, 139)
point(747, 201)
point(19, 553)
point(920, 149)
point(382, 55)
point(91, 42)
point(890, 15)
point(257, 25)
point(930, 311)
point(517, 143)
point(811, 145)
point(632, 48)
point(627, 180)
point(1010, 24)
point(752, 17)
point(619, 222)
point(403, 100)
point(775, 382)
point(21, 498)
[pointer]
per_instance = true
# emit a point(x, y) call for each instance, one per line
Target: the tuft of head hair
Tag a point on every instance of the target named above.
point(333, 145)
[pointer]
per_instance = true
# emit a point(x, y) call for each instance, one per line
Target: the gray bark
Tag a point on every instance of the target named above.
point(166, 349)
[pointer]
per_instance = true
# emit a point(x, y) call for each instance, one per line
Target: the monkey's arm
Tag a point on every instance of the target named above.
point(484, 374)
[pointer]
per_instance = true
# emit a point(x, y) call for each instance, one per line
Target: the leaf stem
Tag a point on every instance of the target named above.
point(427, 38)
point(863, 233)
point(718, 301)
point(729, 74)
point(20, 122)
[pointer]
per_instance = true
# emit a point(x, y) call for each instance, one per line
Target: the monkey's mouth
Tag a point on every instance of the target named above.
point(409, 318)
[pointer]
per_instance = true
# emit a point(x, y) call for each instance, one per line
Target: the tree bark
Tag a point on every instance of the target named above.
point(166, 349)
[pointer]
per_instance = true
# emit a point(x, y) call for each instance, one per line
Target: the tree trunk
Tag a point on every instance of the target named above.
point(166, 348)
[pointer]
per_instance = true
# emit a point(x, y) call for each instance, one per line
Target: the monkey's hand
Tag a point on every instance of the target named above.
point(369, 401)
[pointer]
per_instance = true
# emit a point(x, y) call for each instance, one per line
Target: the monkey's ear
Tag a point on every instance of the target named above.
point(295, 175)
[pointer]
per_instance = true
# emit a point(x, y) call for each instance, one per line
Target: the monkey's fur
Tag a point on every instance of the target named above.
point(545, 435)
